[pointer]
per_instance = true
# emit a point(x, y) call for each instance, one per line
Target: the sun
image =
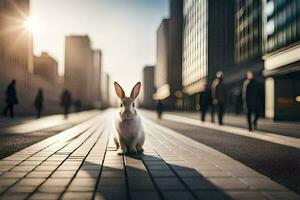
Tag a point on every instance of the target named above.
point(29, 24)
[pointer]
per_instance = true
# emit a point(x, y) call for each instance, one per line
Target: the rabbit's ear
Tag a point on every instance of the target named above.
point(119, 91)
point(135, 90)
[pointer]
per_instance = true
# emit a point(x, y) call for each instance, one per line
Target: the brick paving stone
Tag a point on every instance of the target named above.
point(26, 189)
point(144, 195)
point(262, 184)
point(169, 184)
point(14, 174)
point(245, 195)
point(51, 189)
point(63, 174)
point(228, 183)
point(30, 182)
point(281, 195)
point(212, 195)
point(178, 195)
point(61, 182)
point(162, 173)
point(44, 196)
point(78, 195)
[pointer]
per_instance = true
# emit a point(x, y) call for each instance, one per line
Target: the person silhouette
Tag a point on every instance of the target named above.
point(218, 91)
point(252, 99)
point(38, 102)
point(11, 99)
point(66, 102)
point(205, 101)
point(159, 109)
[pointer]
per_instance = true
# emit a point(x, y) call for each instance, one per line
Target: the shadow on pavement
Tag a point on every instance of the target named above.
point(148, 177)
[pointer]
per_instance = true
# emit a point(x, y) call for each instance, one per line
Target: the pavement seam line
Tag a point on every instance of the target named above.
point(98, 137)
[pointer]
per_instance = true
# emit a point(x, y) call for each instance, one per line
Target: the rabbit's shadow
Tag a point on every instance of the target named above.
point(142, 176)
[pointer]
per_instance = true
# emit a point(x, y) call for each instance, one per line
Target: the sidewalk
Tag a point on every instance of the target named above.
point(291, 129)
point(30, 124)
point(81, 163)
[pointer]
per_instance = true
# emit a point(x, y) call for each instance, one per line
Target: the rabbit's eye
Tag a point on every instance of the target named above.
point(133, 104)
point(121, 105)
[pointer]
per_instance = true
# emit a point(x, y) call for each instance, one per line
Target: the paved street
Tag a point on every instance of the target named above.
point(81, 163)
point(23, 131)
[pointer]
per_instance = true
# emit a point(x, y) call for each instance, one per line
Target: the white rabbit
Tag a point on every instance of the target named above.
point(128, 123)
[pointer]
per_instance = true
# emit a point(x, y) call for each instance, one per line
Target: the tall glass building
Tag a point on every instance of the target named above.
point(282, 58)
point(207, 44)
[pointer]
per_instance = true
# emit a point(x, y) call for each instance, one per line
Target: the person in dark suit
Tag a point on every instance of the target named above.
point(218, 91)
point(11, 99)
point(66, 102)
point(252, 99)
point(205, 101)
point(159, 109)
point(38, 102)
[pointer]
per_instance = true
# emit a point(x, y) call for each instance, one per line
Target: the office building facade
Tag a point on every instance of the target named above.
point(15, 38)
point(207, 44)
point(282, 61)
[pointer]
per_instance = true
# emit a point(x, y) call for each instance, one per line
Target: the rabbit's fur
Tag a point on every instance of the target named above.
point(128, 123)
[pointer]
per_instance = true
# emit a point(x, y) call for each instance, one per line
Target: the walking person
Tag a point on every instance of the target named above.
point(38, 102)
point(252, 99)
point(218, 92)
point(11, 99)
point(205, 101)
point(159, 109)
point(66, 102)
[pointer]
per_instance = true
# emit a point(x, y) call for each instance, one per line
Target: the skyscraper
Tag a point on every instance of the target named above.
point(168, 69)
point(282, 60)
point(207, 44)
point(97, 63)
point(79, 68)
point(16, 39)
point(148, 87)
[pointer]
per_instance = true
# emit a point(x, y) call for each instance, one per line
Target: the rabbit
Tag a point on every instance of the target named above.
point(131, 136)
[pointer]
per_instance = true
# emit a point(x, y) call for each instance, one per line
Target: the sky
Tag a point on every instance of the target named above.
point(125, 31)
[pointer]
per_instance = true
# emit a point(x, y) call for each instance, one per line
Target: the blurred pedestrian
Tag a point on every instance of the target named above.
point(252, 99)
point(218, 92)
point(11, 99)
point(77, 105)
point(205, 101)
point(38, 102)
point(66, 102)
point(159, 109)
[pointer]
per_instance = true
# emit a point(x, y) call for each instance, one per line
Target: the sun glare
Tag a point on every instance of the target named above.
point(29, 23)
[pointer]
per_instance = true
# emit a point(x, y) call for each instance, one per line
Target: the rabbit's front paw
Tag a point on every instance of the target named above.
point(139, 149)
point(132, 150)
point(122, 151)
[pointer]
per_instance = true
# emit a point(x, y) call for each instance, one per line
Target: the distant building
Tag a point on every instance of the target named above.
point(148, 87)
point(79, 77)
point(169, 49)
point(207, 44)
point(97, 77)
point(105, 90)
point(46, 67)
point(282, 59)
